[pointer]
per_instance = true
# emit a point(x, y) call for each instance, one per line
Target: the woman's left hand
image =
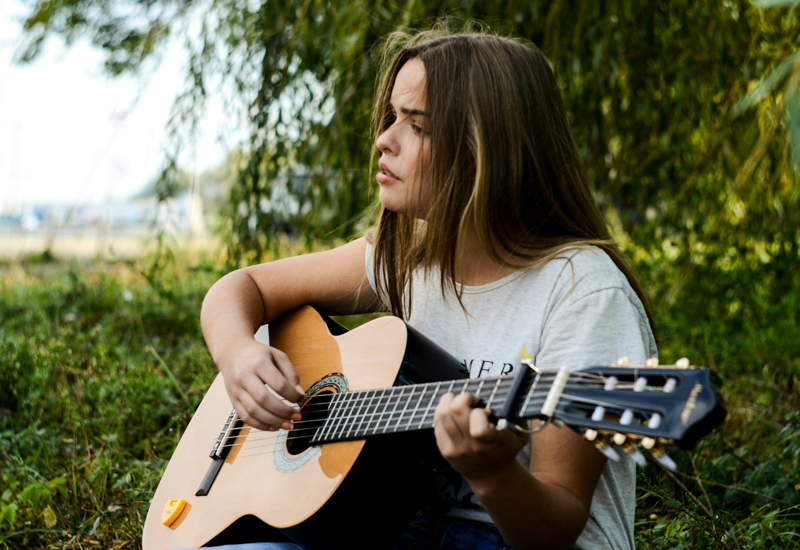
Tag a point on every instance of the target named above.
point(469, 442)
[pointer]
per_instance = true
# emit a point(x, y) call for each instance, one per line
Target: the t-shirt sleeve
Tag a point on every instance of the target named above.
point(595, 329)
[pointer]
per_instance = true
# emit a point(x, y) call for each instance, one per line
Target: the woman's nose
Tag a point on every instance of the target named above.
point(386, 142)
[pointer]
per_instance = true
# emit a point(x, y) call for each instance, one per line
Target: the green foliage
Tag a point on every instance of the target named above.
point(688, 118)
point(100, 371)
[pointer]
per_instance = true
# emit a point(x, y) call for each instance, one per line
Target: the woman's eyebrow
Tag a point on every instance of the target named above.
point(412, 112)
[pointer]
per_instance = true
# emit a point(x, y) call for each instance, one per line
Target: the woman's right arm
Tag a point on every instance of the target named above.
point(335, 281)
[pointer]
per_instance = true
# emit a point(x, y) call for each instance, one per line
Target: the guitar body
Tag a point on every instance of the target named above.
point(361, 491)
point(352, 472)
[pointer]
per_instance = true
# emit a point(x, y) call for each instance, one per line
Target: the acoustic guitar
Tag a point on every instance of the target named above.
point(358, 463)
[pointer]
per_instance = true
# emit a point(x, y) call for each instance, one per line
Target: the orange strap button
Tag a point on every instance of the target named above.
point(172, 509)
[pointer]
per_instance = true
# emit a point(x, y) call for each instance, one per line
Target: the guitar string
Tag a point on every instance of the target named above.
point(576, 402)
point(377, 417)
point(370, 402)
point(384, 393)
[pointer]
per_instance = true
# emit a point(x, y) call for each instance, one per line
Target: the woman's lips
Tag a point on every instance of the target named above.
point(385, 175)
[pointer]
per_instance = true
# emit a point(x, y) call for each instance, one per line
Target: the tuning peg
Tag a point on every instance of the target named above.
point(654, 422)
point(664, 460)
point(590, 435)
point(652, 362)
point(640, 384)
point(670, 384)
point(619, 439)
point(637, 457)
point(621, 362)
point(608, 451)
point(611, 383)
point(682, 363)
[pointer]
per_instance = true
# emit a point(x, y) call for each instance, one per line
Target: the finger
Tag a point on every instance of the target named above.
point(480, 428)
point(293, 392)
point(275, 379)
point(444, 420)
point(261, 394)
point(258, 417)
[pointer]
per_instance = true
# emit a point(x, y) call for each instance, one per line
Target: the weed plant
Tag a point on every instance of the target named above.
point(102, 365)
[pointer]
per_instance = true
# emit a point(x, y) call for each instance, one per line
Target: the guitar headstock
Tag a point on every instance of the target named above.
point(649, 406)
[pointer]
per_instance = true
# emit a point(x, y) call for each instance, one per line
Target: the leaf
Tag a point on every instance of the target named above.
point(49, 517)
point(767, 84)
point(9, 512)
point(793, 122)
point(775, 3)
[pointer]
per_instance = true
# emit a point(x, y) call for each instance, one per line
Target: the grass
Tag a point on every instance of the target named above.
point(101, 366)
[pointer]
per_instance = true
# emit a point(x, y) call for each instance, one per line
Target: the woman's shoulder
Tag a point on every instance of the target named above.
point(579, 272)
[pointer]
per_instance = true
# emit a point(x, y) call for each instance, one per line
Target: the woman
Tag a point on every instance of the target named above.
point(491, 244)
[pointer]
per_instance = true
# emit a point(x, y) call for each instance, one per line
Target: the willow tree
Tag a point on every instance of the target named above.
point(686, 141)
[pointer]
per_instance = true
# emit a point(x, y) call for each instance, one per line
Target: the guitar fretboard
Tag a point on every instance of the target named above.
point(360, 414)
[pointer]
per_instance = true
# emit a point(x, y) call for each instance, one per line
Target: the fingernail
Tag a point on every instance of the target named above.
point(287, 426)
point(296, 416)
point(299, 388)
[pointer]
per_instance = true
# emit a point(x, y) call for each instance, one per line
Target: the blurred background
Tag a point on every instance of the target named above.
point(149, 146)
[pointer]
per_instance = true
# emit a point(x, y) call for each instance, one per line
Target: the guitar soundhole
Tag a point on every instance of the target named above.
point(313, 413)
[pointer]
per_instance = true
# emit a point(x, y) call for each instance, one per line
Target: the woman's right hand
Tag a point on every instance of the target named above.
point(251, 374)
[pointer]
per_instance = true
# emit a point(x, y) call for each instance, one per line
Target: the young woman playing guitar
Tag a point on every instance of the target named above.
point(491, 244)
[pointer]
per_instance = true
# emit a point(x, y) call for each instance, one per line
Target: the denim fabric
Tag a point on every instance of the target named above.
point(256, 546)
point(421, 534)
point(449, 534)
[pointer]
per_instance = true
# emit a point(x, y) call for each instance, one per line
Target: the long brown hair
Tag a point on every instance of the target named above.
point(502, 158)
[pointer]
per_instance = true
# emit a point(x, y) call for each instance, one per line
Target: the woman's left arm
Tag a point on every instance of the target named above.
point(544, 507)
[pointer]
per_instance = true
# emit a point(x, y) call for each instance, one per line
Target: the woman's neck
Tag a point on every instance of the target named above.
point(475, 267)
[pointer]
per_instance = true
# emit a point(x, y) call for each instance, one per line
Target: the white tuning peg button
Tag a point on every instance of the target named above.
point(648, 443)
point(637, 457)
point(682, 363)
point(665, 461)
point(619, 439)
point(654, 422)
point(609, 452)
point(652, 362)
point(621, 362)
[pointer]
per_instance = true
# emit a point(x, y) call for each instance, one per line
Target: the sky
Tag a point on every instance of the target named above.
point(69, 134)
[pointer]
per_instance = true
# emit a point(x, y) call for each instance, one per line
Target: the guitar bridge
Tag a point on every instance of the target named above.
point(219, 451)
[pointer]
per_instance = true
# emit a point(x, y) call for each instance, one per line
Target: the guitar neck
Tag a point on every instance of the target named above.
point(360, 414)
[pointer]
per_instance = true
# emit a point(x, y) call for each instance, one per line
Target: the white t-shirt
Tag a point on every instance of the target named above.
point(577, 310)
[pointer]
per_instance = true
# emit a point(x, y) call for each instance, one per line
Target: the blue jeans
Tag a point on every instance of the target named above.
point(421, 534)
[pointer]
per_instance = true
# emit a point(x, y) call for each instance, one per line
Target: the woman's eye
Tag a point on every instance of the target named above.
point(418, 129)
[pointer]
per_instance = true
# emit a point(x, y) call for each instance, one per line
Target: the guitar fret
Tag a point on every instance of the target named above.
point(530, 394)
point(373, 412)
point(346, 406)
point(416, 407)
point(409, 392)
point(358, 417)
point(333, 406)
point(434, 394)
point(494, 393)
point(389, 399)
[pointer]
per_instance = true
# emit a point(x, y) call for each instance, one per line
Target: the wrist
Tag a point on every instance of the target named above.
point(488, 481)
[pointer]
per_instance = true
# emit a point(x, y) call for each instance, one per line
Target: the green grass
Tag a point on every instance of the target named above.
point(101, 367)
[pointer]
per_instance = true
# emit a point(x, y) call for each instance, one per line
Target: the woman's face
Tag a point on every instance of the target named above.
point(405, 146)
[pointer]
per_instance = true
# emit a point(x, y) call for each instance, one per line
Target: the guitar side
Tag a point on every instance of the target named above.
point(249, 481)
